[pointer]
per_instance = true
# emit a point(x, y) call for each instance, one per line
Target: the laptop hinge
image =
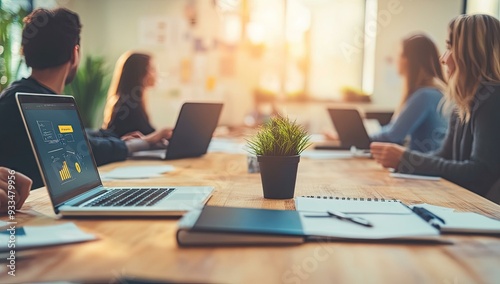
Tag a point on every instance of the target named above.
point(83, 197)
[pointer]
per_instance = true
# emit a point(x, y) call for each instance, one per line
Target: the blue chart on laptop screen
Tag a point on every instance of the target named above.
point(63, 151)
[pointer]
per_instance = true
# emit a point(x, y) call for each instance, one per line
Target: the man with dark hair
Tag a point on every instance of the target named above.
point(51, 47)
point(49, 36)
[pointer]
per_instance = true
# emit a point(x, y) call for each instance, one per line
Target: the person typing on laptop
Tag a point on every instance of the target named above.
point(126, 109)
point(51, 47)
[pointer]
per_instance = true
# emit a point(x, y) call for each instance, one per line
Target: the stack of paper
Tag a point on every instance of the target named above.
point(229, 146)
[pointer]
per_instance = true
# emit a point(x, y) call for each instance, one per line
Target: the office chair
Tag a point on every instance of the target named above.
point(494, 193)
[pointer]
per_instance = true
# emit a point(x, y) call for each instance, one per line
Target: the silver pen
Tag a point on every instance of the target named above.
point(343, 216)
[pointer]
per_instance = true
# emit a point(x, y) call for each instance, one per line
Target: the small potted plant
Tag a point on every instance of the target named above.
point(277, 145)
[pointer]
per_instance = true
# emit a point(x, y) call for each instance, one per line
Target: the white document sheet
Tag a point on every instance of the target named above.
point(41, 236)
point(462, 222)
point(137, 172)
point(468, 222)
point(229, 146)
point(326, 154)
point(410, 176)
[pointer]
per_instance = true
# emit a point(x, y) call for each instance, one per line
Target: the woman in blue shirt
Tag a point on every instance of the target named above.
point(418, 115)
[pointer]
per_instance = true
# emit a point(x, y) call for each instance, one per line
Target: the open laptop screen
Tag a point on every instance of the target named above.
point(60, 144)
point(350, 128)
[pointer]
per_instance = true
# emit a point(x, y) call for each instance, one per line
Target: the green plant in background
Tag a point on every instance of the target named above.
point(279, 136)
point(8, 21)
point(90, 88)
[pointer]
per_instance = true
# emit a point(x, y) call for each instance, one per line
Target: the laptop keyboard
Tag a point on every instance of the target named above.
point(130, 197)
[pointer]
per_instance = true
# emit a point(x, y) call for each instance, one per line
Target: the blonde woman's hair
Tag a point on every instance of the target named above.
point(474, 42)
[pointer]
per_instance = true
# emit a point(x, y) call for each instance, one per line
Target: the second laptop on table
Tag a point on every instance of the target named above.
point(192, 133)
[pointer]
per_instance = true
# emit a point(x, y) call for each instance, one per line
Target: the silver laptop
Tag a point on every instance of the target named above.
point(70, 174)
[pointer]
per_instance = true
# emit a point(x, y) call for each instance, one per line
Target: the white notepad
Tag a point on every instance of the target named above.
point(391, 219)
point(137, 172)
point(462, 222)
point(467, 222)
point(385, 226)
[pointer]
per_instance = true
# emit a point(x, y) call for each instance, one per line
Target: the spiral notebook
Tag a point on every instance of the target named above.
point(451, 221)
point(391, 218)
point(351, 205)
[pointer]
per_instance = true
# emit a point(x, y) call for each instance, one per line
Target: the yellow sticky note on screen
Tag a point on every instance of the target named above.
point(65, 128)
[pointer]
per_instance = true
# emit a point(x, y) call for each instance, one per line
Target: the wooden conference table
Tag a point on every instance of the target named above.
point(147, 247)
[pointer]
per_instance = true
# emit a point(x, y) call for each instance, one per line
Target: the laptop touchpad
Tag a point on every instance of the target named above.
point(184, 196)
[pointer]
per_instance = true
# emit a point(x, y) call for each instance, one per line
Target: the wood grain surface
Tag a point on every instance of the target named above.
point(145, 247)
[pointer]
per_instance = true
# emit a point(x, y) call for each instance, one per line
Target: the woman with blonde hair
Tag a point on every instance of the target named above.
point(125, 110)
point(418, 115)
point(470, 154)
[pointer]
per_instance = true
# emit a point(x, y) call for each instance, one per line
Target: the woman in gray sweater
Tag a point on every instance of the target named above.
point(470, 154)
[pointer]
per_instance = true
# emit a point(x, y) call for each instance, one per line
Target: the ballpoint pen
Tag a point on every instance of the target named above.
point(426, 214)
point(357, 220)
point(343, 216)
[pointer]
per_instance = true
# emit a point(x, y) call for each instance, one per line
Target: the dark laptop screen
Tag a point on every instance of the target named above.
point(62, 149)
point(350, 128)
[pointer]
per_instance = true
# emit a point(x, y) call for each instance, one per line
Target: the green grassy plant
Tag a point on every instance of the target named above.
point(90, 88)
point(9, 68)
point(279, 136)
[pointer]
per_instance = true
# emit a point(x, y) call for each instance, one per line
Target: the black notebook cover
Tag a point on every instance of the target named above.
point(249, 220)
point(214, 225)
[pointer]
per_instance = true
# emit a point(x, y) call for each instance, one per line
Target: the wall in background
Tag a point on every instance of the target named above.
point(428, 16)
point(112, 27)
point(490, 7)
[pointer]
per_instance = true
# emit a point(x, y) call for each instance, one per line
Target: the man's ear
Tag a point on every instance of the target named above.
point(75, 55)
